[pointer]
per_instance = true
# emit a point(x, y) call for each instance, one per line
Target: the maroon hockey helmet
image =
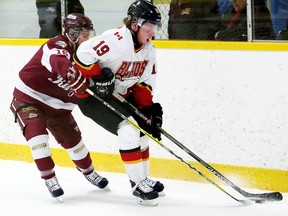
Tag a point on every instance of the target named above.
point(74, 23)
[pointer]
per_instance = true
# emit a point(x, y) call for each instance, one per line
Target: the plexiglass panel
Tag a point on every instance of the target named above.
point(221, 20)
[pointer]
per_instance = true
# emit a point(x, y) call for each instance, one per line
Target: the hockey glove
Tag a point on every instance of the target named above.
point(76, 80)
point(103, 85)
point(154, 113)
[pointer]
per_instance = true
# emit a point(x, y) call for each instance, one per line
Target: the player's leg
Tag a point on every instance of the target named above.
point(156, 185)
point(129, 146)
point(32, 122)
point(136, 168)
point(66, 132)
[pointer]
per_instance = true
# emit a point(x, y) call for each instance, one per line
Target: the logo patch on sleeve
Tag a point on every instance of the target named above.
point(61, 43)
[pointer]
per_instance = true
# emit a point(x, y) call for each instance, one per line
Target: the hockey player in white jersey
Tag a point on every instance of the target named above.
point(124, 60)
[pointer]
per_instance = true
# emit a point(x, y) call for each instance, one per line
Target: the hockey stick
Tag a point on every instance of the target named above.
point(259, 198)
point(162, 145)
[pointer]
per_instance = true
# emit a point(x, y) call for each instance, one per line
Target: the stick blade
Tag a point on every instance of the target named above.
point(263, 197)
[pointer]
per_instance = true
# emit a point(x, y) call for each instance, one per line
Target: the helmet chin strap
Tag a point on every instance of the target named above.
point(74, 43)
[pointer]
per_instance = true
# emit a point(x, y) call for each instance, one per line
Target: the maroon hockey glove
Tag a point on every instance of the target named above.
point(154, 113)
point(76, 80)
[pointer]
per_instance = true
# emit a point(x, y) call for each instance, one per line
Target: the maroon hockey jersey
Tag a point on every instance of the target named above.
point(42, 81)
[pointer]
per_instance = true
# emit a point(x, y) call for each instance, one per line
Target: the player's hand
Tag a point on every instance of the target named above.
point(76, 80)
point(103, 85)
point(154, 114)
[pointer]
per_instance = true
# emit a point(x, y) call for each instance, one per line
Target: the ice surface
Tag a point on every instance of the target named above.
point(23, 192)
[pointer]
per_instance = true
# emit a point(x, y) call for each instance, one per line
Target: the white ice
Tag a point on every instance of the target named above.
point(23, 192)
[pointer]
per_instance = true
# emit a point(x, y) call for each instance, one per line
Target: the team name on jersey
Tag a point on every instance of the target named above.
point(60, 82)
point(129, 69)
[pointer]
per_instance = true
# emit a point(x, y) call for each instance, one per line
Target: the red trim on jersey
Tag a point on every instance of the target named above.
point(153, 69)
point(88, 72)
point(142, 95)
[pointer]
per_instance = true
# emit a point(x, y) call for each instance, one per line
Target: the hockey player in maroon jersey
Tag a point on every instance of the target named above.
point(43, 99)
point(127, 56)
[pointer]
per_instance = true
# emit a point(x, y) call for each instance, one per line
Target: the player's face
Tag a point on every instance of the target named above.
point(146, 32)
point(83, 36)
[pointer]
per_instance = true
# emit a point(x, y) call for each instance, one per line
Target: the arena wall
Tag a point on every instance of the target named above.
point(226, 102)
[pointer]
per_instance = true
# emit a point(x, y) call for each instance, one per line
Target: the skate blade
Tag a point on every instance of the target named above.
point(107, 188)
point(59, 199)
point(147, 202)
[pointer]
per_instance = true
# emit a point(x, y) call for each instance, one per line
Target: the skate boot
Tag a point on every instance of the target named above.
point(54, 188)
point(98, 181)
point(145, 194)
point(156, 185)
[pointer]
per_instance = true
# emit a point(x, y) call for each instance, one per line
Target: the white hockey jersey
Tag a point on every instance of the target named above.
point(114, 49)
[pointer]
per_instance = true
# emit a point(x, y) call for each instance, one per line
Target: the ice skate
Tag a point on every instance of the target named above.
point(156, 185)
point(98, 181)
point(144, 194)
point(54, 188)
